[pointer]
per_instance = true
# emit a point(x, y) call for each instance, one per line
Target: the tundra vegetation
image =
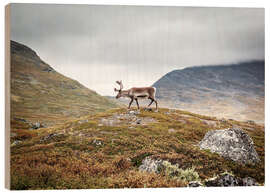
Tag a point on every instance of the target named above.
point(97, 155)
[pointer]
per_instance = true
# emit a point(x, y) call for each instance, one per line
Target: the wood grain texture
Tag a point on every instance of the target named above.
point(7, 96)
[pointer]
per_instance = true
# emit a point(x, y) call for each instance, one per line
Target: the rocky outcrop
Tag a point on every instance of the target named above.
point(36, 125)
point(173, 171)
point(29, 124)
point(227, 179)
point(97, 142)
point(231, 143)
point(150, 165)
point(129, 117)
point(194, 184)
point(16, 142)
point(52, 136)
point(223, 180)
point(248, 181)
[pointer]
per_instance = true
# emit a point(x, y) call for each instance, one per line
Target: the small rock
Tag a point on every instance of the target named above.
point(131, 112)
point(223, 120)
point(248, 181)
point(227, 179)
point(210, 123)
point(134, 112)
point(148, 109)
point(48, 69)
point(36, 125)
point(50, 136)
point(97, 142)
point(250, 122)
point(20, 119)
point(138, 121)
point(223, 180)
point(16, 142)
point(109, 121)
point(195, 184)
point(150, 165)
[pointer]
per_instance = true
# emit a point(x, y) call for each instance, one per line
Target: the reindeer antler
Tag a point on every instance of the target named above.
point(120, 83)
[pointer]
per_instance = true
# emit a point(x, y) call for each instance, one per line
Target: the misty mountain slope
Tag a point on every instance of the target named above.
point(230, 91)
point(38, 92)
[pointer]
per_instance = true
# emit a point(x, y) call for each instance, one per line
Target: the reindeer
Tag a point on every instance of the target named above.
point(135, 93)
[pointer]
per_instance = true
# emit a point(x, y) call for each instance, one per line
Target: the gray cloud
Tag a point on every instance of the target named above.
point(98, 44)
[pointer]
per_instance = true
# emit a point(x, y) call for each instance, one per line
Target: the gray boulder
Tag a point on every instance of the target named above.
point(138, 121)
point(223, 181)
point(248, 181)
point(150, 165)
point(227, 179)
point(36, 125)
point(134, 112)
point(195, 184)
point(50, 137)
point(20, 119)
point(16, 142)
point(231, 143)
point(97, 142)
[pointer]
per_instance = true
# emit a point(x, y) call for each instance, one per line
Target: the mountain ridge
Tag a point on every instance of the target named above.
point(40, 92)
point(193, 87)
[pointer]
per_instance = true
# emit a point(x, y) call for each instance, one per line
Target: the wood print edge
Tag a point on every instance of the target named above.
point(7, 96)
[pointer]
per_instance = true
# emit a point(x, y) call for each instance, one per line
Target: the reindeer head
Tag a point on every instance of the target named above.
point(120, 90)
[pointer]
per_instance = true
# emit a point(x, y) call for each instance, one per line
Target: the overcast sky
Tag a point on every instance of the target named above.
point(97, 45)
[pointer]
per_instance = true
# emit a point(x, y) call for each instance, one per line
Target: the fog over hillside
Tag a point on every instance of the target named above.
point(98, 44)
point(231, 91)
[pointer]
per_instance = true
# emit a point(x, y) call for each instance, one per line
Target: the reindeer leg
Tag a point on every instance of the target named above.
point(151, 102)
point(156, 105)
point(137, 103)
point(130, 103)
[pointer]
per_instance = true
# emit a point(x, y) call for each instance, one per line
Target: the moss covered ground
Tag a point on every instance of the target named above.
point(82, 153)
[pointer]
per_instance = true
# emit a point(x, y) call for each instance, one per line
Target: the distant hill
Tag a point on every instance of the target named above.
point(230, 91)
point(38, 92)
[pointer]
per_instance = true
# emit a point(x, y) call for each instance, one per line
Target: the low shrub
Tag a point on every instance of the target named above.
point(174, 171)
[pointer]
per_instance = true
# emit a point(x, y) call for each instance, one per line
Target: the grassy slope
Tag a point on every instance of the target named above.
point(74, 160)
point(39, 95)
